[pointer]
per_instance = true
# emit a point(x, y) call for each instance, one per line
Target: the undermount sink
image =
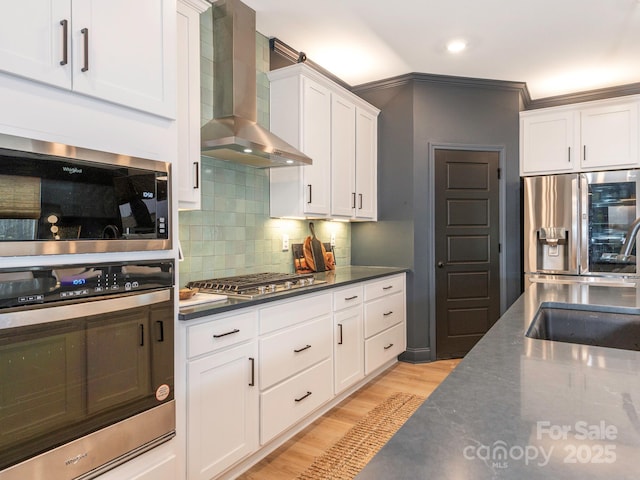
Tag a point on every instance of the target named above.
point(613, 328)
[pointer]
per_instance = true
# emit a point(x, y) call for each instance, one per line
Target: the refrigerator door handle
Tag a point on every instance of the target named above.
point(583, 213)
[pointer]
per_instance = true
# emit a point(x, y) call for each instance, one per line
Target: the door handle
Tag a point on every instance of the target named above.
point(85, 35)
point(65, 42)
point(440, 264)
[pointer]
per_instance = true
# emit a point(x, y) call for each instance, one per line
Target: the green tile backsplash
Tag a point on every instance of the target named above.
point(233, 233)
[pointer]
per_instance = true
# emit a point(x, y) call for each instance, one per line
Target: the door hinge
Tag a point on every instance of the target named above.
point(499, 173)
point(499, 248)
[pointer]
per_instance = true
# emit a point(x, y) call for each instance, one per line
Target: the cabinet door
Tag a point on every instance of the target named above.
point(33, 39)
point(222, 410)
point(348, 347)
point(548, 143)
point(124, 52)
point(610, 136)
point(343, 157)
point(316, 143)
point(366, 165)
point(188, 108)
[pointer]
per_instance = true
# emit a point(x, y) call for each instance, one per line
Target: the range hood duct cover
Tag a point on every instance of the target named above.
point(234, 134)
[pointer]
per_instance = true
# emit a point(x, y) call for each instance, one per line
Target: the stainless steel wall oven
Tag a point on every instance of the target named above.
point(86, 367)
point(56, 199)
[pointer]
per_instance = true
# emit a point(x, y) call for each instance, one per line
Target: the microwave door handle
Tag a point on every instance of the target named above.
point(583, 211)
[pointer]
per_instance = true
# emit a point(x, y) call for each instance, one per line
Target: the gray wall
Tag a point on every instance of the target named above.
point(418, 111)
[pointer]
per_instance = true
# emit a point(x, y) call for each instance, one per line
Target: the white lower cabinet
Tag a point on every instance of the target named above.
point(295, 362)
point(384, 321)
point(348, 347)
point(222, 400)
point(292, 400)
point(384, 347)
point(256, 375)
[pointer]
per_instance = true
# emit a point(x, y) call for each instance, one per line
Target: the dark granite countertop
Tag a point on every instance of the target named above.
point(520, 408)
point(339, 277)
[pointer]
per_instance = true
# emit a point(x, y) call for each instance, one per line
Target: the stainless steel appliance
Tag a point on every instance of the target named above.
point(581, 226)
point(86, 367)
point(234, 134)
point(255, 284)
point(58, 198)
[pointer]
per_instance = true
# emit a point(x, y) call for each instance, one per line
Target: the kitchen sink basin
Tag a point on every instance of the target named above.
point(614, 328)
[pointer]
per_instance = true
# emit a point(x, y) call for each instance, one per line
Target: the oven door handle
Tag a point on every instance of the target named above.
point(54, 313)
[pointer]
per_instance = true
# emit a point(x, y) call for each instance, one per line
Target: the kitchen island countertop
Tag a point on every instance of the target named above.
point(339, 277)
point(520, 408)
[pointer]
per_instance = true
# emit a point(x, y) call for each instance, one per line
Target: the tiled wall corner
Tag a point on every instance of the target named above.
point(233, 233)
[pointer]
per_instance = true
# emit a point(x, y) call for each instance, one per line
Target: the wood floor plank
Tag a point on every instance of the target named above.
point(293, 457)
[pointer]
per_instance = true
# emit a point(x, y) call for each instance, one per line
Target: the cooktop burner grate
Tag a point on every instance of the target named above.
point(255, 284)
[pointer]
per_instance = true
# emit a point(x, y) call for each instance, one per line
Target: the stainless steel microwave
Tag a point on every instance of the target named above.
point(56, 199)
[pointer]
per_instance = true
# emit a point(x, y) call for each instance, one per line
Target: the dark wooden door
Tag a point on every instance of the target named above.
point(466, 248)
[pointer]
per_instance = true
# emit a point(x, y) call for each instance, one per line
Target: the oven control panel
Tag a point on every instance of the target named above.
point(36, 285)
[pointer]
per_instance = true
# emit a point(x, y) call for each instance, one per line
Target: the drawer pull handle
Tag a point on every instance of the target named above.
point(253, 372)
point(388, 346)
point(219, 335)
point(387, 287)
point(302, 349)
point(388, 313)
point(351, 298)
point(340, 342)
point(303, 397)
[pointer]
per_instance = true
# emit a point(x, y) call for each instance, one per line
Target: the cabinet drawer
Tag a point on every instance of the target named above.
point(297, 311)
point(383, 287)
point(284, 405)
point(347, 297)
point(384, 347)
point(288, 352)
point(217, 334)
point(383, 313)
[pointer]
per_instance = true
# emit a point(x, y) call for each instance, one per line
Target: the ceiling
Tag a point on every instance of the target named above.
point(556, 46)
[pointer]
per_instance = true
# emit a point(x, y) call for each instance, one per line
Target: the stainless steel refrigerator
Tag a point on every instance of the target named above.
point(581, 227)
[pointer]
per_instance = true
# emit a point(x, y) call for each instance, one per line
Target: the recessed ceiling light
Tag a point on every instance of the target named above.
point(247, 150)
point(456, 46)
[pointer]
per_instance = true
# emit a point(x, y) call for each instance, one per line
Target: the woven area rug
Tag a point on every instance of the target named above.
point(351, 453)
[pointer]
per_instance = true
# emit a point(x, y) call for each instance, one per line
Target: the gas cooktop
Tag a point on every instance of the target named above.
point(255, 284)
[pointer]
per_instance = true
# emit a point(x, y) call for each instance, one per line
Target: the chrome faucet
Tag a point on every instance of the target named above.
point(630, 240)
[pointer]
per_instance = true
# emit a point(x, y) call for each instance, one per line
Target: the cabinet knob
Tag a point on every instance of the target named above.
point(440, 264)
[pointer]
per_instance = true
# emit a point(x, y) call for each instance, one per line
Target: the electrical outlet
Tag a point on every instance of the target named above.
point(333, 239)
point(285, 242)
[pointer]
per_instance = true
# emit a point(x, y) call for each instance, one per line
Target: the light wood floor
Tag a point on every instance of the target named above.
point(293, 457)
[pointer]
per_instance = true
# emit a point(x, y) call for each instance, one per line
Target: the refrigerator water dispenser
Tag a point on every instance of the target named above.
point(552, 254)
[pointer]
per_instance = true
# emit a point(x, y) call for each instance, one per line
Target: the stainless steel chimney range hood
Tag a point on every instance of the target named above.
point(234, 134)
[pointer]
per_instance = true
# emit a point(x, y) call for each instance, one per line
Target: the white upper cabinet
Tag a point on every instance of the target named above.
point(599, 135)
point(366, 164)
point(301, 115)
point(338, 130)
point(119, 51)
point(609, 136)
point(188, 112)
point(547, 143)
point(35, 39)
point(354, 134)
point(343, 157)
